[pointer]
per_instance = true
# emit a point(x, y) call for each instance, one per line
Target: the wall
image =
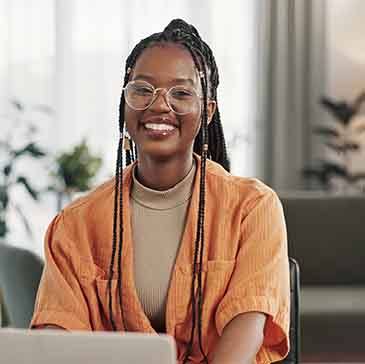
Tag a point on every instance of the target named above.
point(345, 58)
point(345, 48)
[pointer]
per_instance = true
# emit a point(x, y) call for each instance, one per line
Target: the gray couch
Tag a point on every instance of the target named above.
point(326, 236)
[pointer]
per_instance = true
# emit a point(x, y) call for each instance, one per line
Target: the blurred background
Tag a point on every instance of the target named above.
point(291, 94)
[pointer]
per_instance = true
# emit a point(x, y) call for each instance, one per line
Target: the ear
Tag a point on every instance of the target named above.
point(211, 110)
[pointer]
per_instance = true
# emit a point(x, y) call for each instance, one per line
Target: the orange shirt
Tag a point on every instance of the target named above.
point(245, 265)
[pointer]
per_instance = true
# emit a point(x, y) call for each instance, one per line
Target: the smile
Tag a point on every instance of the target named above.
point(159, 127)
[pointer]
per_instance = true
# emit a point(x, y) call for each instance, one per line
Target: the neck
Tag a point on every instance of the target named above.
point(162, 174)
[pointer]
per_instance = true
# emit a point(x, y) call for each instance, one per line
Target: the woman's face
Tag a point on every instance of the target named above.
point(164, 66)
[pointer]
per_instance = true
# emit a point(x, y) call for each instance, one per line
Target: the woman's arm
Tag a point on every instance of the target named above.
point(241, 339)
point(259, 285)
point(60, 299)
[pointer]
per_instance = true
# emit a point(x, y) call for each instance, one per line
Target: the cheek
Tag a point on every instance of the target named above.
point(128, 113)
point(190, 127)
point(131, 118)
point(196, 121)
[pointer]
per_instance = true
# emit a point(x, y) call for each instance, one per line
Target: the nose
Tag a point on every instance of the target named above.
point(160, 104)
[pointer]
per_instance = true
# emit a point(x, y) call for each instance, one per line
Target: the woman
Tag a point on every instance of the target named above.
point(208, 264)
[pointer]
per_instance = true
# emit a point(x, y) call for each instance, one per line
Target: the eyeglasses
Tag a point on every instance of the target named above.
point(182, 100)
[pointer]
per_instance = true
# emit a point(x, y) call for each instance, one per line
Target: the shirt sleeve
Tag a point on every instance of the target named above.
point(60, 300)
point(260, 281)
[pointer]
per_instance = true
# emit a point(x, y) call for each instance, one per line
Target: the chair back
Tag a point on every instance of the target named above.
point(20, 273)
point(294, 330)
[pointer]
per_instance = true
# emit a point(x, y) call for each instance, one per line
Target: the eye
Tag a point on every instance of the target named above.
point(143, 90)
point(181, 93)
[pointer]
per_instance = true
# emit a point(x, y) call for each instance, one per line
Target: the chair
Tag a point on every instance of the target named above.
point(20, 273)
point(294, 330)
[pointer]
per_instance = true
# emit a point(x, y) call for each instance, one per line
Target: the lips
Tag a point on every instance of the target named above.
point(159, 127)
point(160, 123)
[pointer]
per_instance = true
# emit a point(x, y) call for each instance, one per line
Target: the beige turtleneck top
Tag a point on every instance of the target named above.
point(158, 221)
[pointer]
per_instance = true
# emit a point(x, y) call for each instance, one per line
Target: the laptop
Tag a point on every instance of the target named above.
point(19, 346)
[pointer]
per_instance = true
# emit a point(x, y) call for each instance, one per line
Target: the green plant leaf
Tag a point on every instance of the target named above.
point(22, 180)
point(7, 170)
point(334, 169)
point(325, 171)
point(17, 104)
point(326, 131)
point(31, 149)
point(3, 228)
point(339, 109)
point(35, 151)
point(4, 197)
point(352, 146)
point(77, 168)
point(316, 173)
point(346, 147)
point(335, 147)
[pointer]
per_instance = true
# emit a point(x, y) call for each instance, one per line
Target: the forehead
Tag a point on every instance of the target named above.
point(166, 62)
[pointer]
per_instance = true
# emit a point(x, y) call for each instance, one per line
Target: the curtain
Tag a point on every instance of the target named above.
point(292, 80)
point(70, 55)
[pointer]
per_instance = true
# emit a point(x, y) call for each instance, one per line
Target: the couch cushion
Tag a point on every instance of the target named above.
point(341, 300)
point(332, 323)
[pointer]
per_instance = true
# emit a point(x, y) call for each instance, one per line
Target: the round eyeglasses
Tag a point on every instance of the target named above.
point(182, 100)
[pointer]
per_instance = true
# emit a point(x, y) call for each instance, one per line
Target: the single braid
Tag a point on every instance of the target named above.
point(115, 218)
point(121, 235)
point(202, 209)
point(196, 305)
point(118, 211)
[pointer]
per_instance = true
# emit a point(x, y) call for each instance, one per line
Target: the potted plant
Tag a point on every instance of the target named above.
point(344, 139)
point(74, 172)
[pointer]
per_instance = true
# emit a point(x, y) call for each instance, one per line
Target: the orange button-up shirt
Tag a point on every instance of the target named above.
point(245, 265)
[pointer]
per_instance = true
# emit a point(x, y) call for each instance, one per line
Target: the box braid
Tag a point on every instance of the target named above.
point(181, 33)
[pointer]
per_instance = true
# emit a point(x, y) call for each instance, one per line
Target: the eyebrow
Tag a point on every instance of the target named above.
point(175, 80)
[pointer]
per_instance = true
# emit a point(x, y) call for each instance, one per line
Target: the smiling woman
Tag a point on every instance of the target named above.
point(174, 243)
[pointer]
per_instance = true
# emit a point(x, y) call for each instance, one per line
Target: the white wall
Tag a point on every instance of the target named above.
point(345, 48)
point(345, 58)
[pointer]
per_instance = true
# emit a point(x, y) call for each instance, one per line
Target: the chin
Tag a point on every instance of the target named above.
point(159, 152)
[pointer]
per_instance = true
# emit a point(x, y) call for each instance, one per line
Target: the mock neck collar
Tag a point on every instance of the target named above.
point(167, 199)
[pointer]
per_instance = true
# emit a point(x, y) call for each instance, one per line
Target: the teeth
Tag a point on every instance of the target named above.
point(159, 126)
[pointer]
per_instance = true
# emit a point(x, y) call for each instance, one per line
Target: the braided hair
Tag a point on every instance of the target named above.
point(185, 35)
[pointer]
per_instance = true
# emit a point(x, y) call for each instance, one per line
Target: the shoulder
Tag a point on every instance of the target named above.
point(92, 208)
point(101, 198)
point(95, 196)
point(236, 190)
point(83, 222)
